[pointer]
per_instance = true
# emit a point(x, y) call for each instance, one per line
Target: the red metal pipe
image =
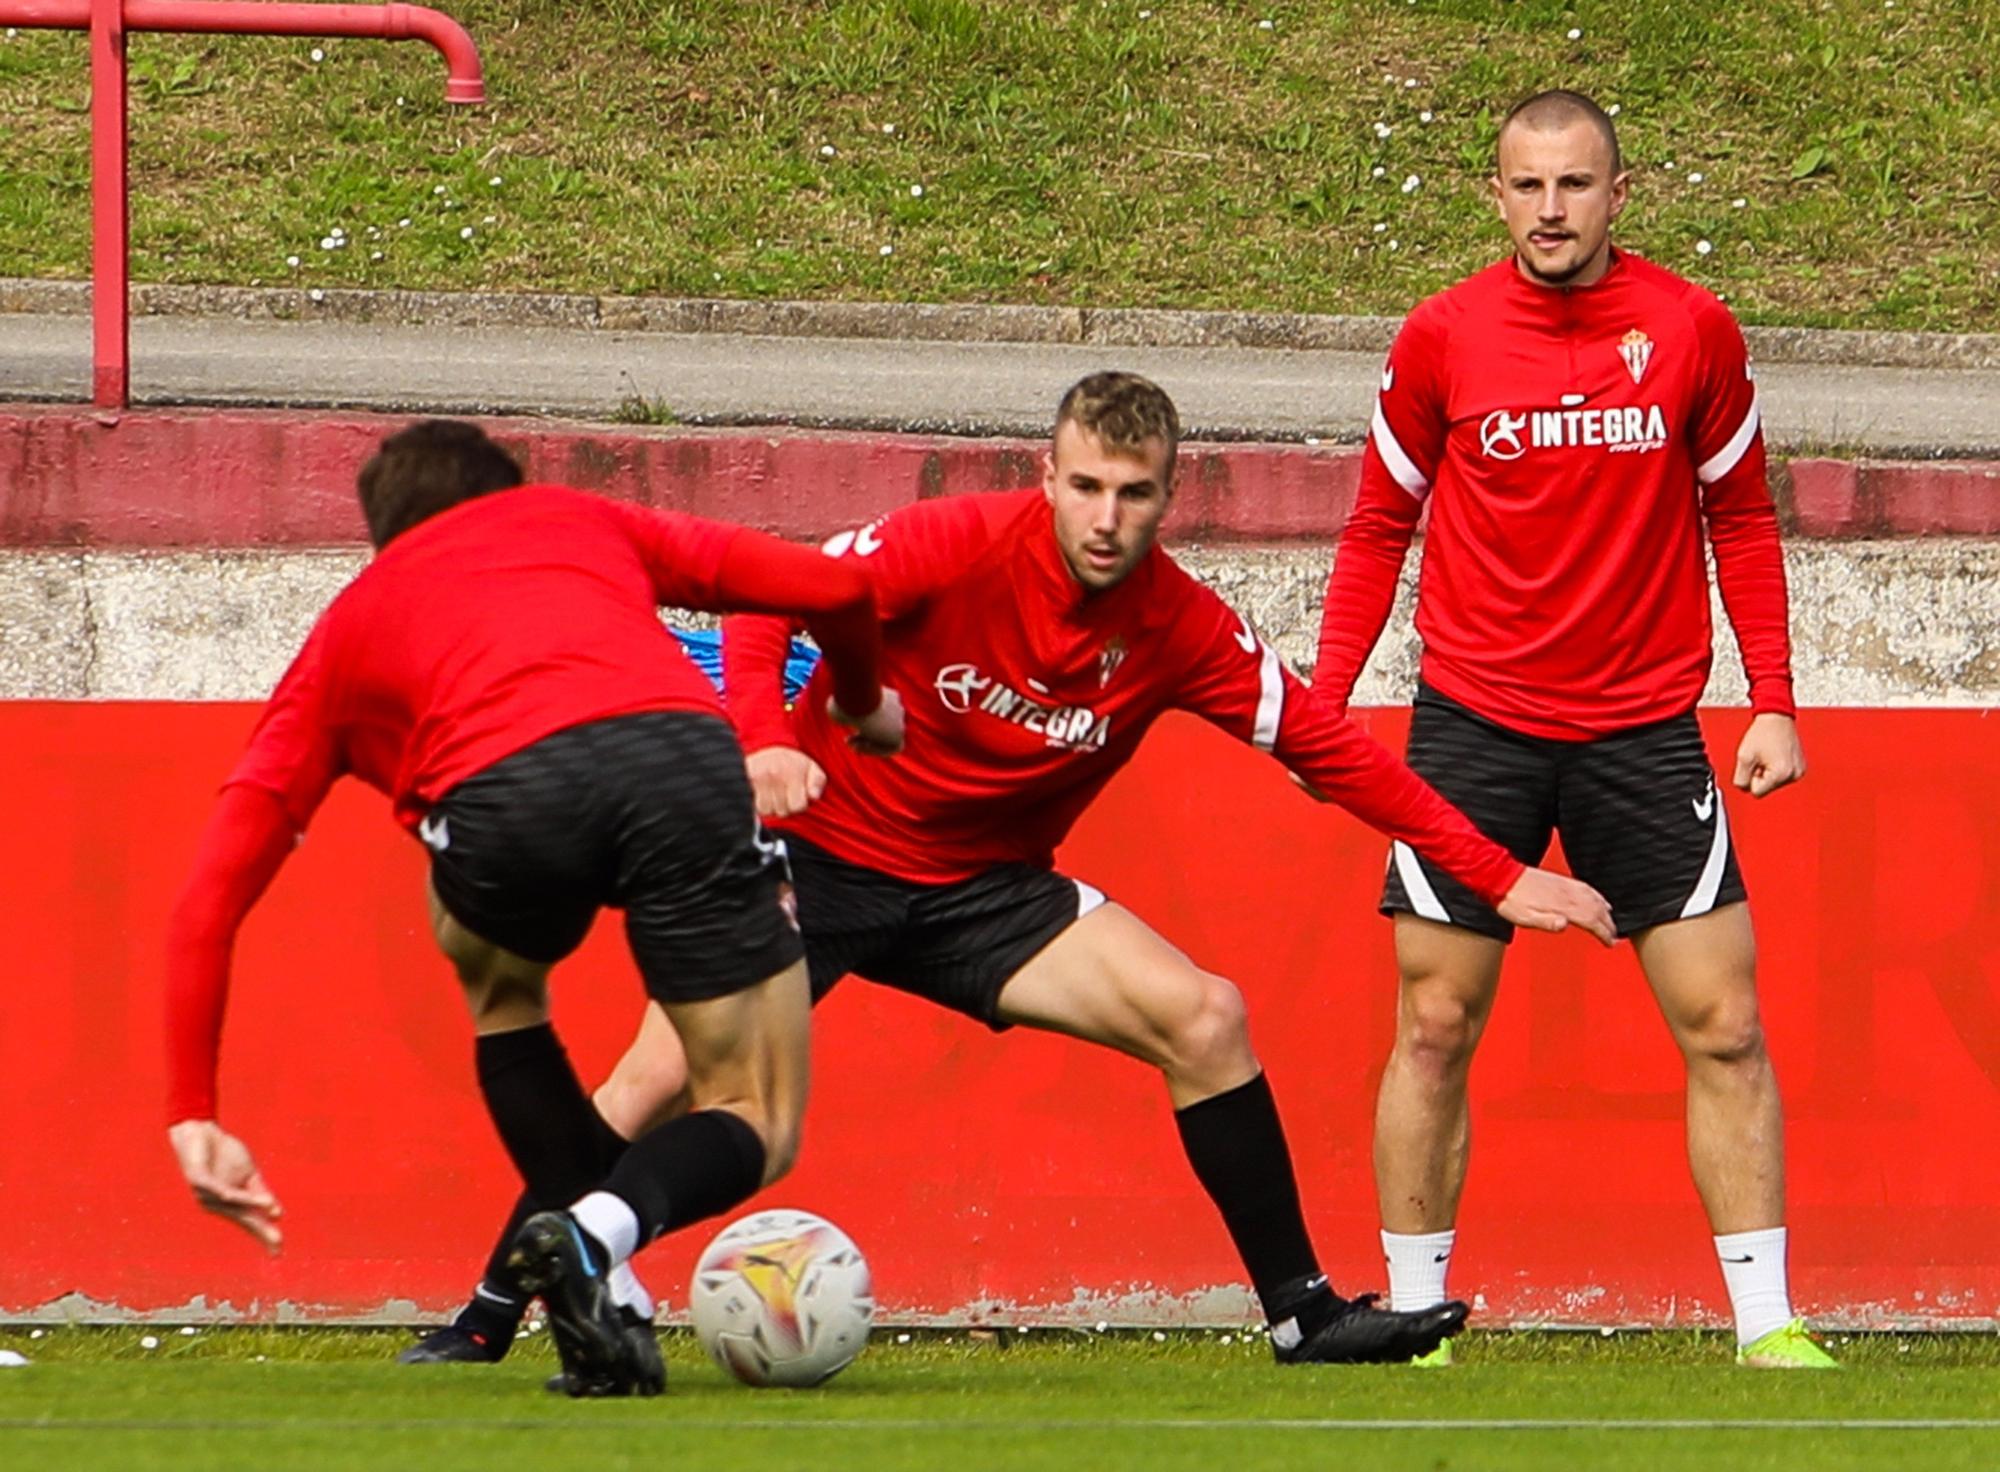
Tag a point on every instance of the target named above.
point(110, 209)
point(393, 22)
point(108, 21)
point(55, 15)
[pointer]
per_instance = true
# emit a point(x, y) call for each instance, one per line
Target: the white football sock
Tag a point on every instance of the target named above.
point(628, 1292)
point(1418, 1262)
point(1753, 1265)
point(610, 1221)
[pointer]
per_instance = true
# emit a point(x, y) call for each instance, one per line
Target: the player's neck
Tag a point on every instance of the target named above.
point(1593, 272)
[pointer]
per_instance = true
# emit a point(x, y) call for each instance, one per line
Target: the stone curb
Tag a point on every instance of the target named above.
point(912, 321)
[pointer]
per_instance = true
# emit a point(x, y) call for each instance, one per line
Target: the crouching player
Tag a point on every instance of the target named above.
point(1046, 632)
point(500, 672)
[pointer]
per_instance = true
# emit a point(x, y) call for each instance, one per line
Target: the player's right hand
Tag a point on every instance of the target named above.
point(1540, 900)
point(226, 1180)
point(880, 732)
point(784, 780)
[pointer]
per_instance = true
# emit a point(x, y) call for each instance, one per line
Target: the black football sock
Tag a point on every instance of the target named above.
point(689, 1168)
point(1236, 1144)
point(500, 1300)
point(552, 1133)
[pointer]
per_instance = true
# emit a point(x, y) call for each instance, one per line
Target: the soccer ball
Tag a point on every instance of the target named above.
point(782, 1298)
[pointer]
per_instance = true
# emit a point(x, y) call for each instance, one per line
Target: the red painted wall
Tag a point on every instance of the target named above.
point(73, 476)
point(984, 1175)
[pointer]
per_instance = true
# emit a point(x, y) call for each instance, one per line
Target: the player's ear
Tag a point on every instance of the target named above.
point(1621, 188)
point(1049, 475)
point(1498, 191)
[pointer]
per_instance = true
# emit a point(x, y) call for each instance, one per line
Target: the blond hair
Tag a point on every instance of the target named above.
point(1124, 411)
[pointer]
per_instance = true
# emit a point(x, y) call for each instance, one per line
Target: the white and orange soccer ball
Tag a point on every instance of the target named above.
point(782, 1298)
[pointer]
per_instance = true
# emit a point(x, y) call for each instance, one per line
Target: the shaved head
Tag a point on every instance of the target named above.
point(1559, 184)
point(1552, 112)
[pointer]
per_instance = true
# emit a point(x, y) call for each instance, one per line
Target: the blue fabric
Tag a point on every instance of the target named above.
point(705, 649)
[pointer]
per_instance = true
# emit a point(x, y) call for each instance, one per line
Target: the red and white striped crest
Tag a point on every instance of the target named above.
point(1637, 350)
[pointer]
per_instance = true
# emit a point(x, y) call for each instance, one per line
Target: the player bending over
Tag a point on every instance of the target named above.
point(500, 672)
point(1575, 417)
point(1046, 632)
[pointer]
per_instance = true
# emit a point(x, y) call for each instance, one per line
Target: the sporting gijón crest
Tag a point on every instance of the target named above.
point(1637, 350)
point(1112, 657)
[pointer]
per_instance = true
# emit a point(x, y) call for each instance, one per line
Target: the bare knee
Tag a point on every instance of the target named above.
point(1437, 1032)
point(634, 1102)
point(1727, 1032)
point(649, 1085)
point(1208, 1032)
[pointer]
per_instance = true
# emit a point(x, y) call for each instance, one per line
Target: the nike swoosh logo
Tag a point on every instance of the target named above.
point(867, 542)
point(1245, 640)
point(1747, 1257)
point(1704, 809)
point(435, 834)
point(1442, 1257)
point(1388, 378)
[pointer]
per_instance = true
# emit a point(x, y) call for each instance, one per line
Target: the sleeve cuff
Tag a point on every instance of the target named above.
point(1772, 697)
point(1502, 879)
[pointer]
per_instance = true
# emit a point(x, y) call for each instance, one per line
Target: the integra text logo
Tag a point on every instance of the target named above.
point(961, 687)
point(1638, 427)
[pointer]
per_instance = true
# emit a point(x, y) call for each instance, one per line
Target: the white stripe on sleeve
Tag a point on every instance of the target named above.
point(1716, 466)
point(1401, 467)
point(1270, 700)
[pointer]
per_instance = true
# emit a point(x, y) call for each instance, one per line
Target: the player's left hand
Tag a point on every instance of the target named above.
point(880, 732)
point(1770, 756)
point(226, 1180)
point(1540, 900)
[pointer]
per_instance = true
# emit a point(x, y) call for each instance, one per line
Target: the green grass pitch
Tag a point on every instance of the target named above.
point(284, 1399)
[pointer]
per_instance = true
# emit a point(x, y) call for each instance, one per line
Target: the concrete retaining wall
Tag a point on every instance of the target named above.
point(181, 554)
point(1875, 623)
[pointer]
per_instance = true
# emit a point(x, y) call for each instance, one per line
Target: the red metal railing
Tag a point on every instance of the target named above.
point(108, 21)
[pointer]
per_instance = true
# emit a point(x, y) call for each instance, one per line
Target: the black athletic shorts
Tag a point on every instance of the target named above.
point(650, 814)
point(953, 944)
point(1640, 815)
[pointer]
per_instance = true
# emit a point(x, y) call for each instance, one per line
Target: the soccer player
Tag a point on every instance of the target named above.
point(1046, 632)
point(1574, 417)
point(500, 672)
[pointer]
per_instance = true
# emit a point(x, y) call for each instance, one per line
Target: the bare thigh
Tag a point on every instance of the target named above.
point(1112, 979)
point(505, 992)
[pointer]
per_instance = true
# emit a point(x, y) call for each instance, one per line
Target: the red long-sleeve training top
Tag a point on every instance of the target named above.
point(1570, 445)
point(1024, 693)
point(471, 636)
